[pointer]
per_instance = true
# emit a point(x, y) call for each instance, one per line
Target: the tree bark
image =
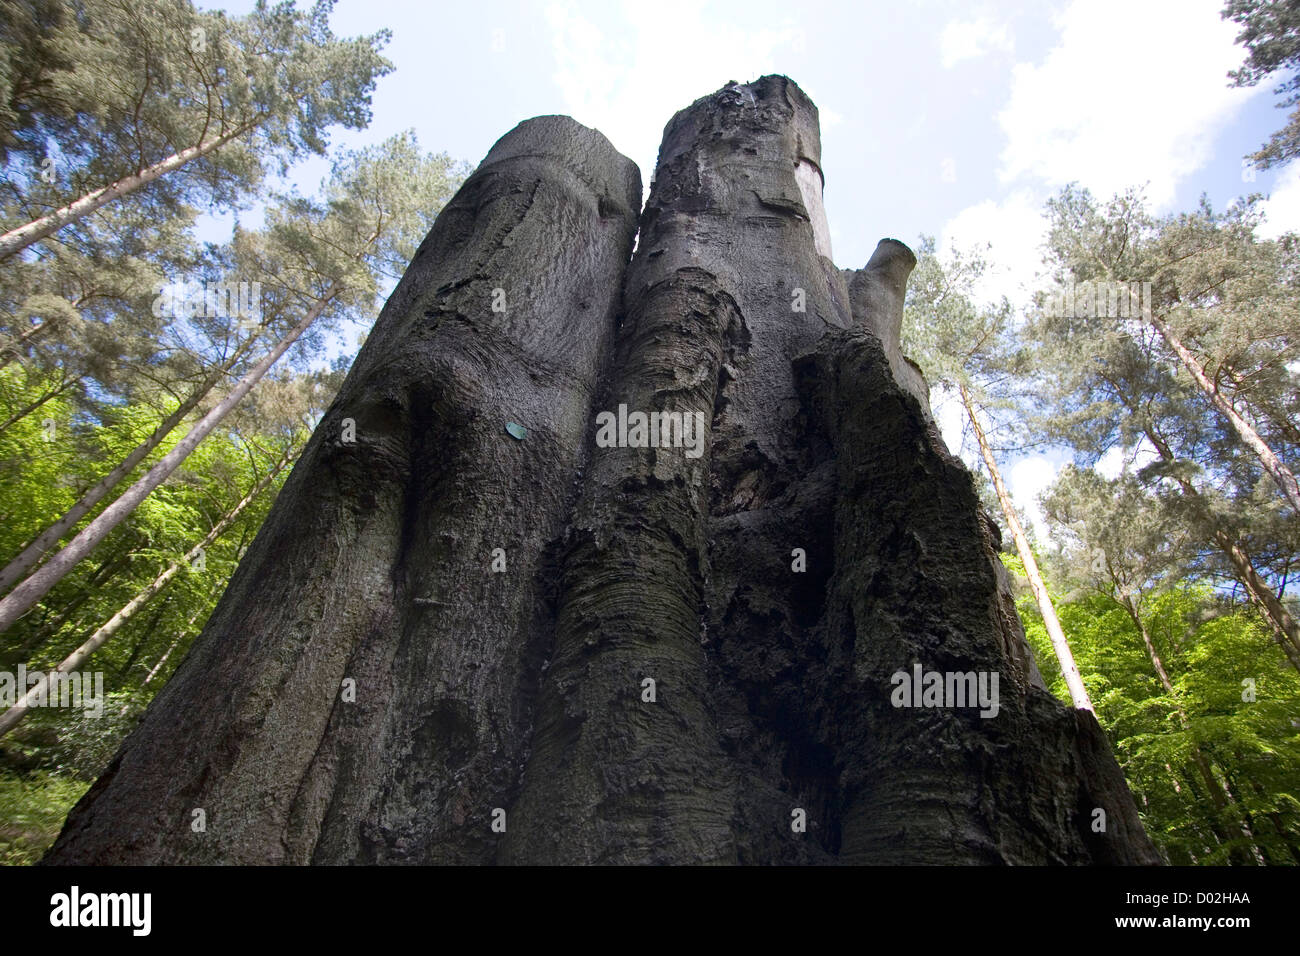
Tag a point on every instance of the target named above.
point(687, 658)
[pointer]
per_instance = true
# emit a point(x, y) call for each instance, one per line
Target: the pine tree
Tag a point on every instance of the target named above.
point(172, 106)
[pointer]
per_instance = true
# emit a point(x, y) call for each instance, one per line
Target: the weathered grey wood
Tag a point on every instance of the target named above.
point(822, 539)
point(916, 580)
point(375, 563)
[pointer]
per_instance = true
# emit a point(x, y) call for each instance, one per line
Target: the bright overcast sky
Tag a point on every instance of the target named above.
point(948, 118)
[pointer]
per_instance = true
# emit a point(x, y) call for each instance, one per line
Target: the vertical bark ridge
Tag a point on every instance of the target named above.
point(614, 777)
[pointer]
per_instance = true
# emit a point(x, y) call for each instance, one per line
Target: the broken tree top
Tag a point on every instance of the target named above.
point(608, 561)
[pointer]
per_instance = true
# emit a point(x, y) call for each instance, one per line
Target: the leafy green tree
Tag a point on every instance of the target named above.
point(32, 53)
point(1113, 381)
point(1223, 301)
point(1118, 546)
point(1208, 650)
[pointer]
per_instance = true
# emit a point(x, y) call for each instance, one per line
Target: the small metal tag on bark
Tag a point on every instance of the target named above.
point(516, 431)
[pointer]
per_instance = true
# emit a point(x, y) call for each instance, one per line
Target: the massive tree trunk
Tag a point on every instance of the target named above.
point(570, 643)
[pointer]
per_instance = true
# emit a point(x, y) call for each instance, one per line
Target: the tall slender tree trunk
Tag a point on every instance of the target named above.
point(1287, 428)
point(1285, 836)
point(158, 665)
point(180, 636)
point(1276, 468)
point(10, 718)
point(504, 625)
point(143, 639)
point(17, 239)
point(31, 590)
point(1285, 629)
point(1064, 656)
point(57, 618)
point(50, 536)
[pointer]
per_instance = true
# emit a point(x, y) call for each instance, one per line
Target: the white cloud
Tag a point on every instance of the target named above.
point(950, 416)
point(968, 40)
point(1014, 229)
point(1133, 93)
point(1117, 458)
point(1027, 479)
point(626, 84)
point(1282, 208)
point(1110, 464)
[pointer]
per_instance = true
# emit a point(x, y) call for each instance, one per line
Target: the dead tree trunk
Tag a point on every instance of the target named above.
point(598, 639)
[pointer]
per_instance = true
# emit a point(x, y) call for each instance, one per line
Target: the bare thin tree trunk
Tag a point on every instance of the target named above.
point(1064, 656)
point(55, 619)
point(34, 587)
point(180, 635)
point(10, 718)
point(1286, 427)
point(1285, 629)
point(147, 631)
point(49, 536)
point(1276, 468)
point(15, 240)
point(1279, 826)
point(153, 671)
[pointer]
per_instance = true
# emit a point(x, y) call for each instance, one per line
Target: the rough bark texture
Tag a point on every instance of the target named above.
point(375, 563)
point(823, 539)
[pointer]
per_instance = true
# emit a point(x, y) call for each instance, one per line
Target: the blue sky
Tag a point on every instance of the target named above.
point(953, 119)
